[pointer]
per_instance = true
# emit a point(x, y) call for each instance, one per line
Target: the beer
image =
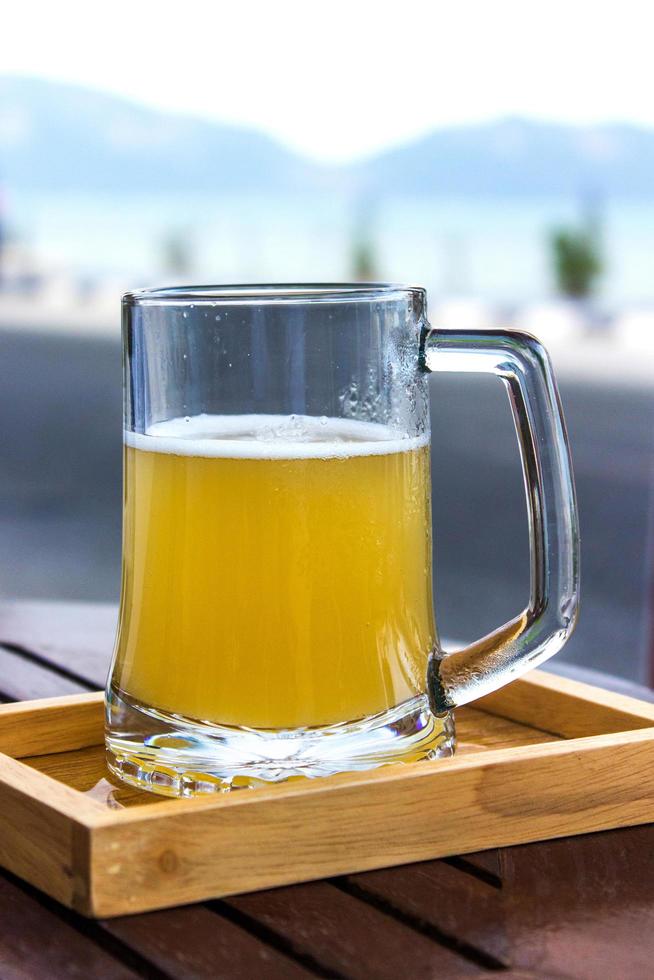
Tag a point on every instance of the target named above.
point(276, 570)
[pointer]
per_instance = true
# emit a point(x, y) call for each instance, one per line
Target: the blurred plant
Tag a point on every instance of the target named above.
point(176, 254)
point(363, 261)
point(576, 259)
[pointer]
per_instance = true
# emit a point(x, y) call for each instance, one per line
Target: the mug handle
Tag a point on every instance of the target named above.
point(543, 627)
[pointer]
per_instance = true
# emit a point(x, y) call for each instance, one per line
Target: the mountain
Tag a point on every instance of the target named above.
point(63, 137)
point(516, 156)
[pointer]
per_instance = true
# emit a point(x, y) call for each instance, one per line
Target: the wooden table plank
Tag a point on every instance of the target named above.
point(195, 943)
point(21, 679)
point(484, 861)
point(583, 906)
point(351, 937)
point(76, 636)
point(464, 909)
point(36, 942)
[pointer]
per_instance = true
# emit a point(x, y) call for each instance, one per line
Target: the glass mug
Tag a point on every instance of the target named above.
point(276, 613)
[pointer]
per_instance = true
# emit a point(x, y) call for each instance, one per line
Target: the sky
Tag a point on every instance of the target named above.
point(340, 80)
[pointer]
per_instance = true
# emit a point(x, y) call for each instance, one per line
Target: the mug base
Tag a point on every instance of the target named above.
point(176, 756)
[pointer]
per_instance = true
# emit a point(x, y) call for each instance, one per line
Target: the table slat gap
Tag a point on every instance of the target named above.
point(454, 943)
point(474, 870)
point(274, 939)
point(22, 679)
point(351, 936)
point(454, 902)
point(44, 939)
point(49, 666)
point(86, 929)
point(193, 942)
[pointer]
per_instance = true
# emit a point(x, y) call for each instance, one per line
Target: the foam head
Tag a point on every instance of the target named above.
point(272, 437)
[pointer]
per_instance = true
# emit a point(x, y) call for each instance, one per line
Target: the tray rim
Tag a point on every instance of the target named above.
point(514, 702)
point(105, 862)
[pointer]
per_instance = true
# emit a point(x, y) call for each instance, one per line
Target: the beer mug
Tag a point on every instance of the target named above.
point(276, 615)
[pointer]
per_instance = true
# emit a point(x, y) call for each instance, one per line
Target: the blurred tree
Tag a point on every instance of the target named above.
point(363, 261)
point(363, 258)
point(176, 253)
point(576, 260)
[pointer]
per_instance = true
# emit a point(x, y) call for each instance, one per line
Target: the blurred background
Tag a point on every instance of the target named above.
point(501, 155)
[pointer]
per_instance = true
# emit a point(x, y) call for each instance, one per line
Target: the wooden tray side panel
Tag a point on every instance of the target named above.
point(38, 839)
point(570, 709)
point(506, 797)
point(51, 725)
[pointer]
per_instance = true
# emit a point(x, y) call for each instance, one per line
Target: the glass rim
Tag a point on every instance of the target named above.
point(270, 293)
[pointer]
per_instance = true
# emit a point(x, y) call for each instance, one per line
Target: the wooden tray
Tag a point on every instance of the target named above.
point(544, 757)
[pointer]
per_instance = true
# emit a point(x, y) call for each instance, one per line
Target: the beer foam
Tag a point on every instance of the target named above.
point(272, 437)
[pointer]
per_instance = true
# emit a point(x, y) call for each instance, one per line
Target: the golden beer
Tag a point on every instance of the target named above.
point(277, 570)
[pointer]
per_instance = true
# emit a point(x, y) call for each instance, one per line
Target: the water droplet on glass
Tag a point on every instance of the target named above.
point(323, 420)
point(185, 356)
point(217, 317)
point(184, 314)
point(230, 364)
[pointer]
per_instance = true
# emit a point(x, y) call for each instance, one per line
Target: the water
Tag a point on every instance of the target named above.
point(495, 248)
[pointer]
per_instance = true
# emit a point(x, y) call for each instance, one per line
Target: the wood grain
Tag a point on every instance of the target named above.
point(77, 636)
point(182, 851)
point(350, 937)
point(196, 943)
point(85, 770)
point(51, 725)
point(65, 827)
point(21, 678)
point(478, 731)
point(582, 907)
point(42, 832)
point(566, 707)
point(454, 902)
point(36, 942)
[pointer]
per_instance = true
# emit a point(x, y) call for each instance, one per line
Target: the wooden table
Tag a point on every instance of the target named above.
point(577, 907)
